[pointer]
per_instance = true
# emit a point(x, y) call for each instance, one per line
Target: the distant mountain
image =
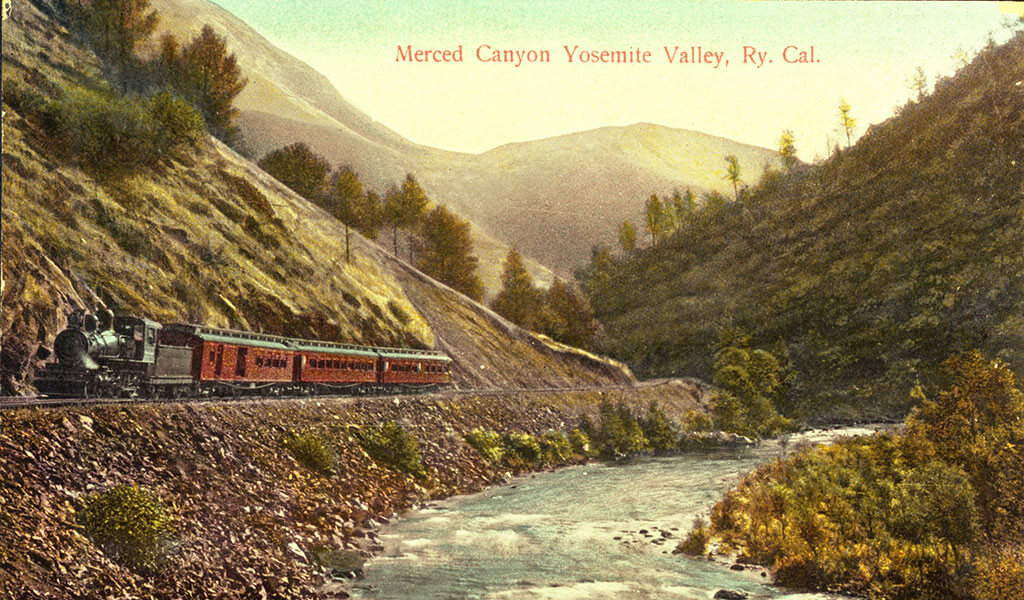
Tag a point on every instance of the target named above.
point(578, 188)
point(551, 198)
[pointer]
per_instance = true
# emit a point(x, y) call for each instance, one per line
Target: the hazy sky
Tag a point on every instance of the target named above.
point(867, 53)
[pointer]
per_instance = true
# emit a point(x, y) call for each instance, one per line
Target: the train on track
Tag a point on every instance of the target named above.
point(100, 355)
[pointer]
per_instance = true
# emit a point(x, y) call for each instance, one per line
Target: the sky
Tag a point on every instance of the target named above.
point(863, 52)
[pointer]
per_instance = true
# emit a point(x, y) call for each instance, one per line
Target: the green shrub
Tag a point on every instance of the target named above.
point(555, 447)
point(486, 442)
point(696, 542)
point(579, 442)
point(658, 428)
point(111, 133)
point(392, 446)
point(620, 433)
point(131, 525)
point(696, 420)
point(103, 130)
point(176, 122)
point(522, 450)
point(312, 451)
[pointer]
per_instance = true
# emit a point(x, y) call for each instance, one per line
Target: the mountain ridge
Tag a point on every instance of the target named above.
point(499, 205)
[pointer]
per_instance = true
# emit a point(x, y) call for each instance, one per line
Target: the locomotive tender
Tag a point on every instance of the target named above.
point(106, 356)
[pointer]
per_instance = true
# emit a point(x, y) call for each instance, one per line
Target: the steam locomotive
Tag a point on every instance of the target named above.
point(100, 355)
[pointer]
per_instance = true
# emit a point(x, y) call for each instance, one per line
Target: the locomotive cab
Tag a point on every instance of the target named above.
point(138, 337)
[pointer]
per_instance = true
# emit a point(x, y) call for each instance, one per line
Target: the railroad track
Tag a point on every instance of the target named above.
point(13, 402)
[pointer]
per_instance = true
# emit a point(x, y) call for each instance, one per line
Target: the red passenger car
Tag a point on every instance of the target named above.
point(233, 358)
point(333, 364)
point(414, 367)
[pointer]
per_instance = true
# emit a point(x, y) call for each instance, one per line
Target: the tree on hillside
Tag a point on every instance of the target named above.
point(919, 83)
point(712, 203)
point(846, 122)
point(596, 278)
point(575, 318)
point(787, 149)
point(404, 207)
point(299, 168)
point(211, 79)
point(115, 28)
point(654, 217)
point(391, 213)
point(166, 63)
point(370, 214)
point(684, 206)
point(732, 174)
point(447, 252)
point(518, 301)
point(627, 237)
point(342, 199)
point(749, 386)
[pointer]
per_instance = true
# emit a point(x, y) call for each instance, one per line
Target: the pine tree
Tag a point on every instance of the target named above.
point(447, 252)
point(403, 208)
point(414, 205)
point(627, 237)
point(579, 328)
point(115, 28)
point(846, 122)
point(211, 79)
point(654, 215)
point(732, 174)
point(919, 83)
point(299, 168)
point(787, 149)
point(342, 199)
point(518, 301)
point(370, 214)
point(392, 213)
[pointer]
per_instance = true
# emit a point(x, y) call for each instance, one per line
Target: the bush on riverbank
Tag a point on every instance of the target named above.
point(618, 434)
point(922, 514)
point(519, 450)
point(697, 540)
point(312, 451)
point(487, 443)
point(555, 448)
point(391, 445)
point(522, 450)
point(579, 443)
point(131, 525)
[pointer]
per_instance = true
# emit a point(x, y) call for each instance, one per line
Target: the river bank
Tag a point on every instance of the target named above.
point(602, 530)
point(250, 519)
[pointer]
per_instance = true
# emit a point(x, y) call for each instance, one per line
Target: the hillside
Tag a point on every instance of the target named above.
point(552, 199)
point(205, 236)
point(286, 100)
point(870, 268)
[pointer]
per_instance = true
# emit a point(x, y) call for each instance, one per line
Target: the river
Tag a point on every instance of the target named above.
point(589, 532)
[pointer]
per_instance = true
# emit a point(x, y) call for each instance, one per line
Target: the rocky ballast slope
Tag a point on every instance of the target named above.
point(249, 518)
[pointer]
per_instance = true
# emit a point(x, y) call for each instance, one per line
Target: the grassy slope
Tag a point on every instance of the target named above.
point(207, 237)
point(885, 259)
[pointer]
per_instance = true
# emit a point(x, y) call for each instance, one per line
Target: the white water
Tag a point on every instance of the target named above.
point(553, 535)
